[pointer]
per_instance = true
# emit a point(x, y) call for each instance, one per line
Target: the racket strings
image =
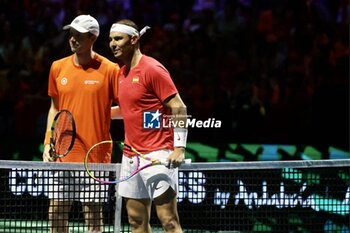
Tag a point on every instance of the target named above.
point(100, 153)
point(63, 134)
point(95, 159)
point(134, 165)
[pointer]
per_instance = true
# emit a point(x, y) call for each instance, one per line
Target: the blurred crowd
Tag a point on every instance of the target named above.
point(273, 71)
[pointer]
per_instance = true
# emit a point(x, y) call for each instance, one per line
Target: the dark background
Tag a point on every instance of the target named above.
point(273, 71)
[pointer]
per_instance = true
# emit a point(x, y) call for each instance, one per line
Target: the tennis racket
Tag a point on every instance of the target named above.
point(100, 148)
point(62, 134)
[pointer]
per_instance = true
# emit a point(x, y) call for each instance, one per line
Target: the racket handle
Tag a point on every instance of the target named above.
point(165, 161)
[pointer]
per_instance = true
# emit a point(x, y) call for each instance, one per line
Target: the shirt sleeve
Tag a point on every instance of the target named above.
point(160, 82)
point(114, 82)
point(52, 86)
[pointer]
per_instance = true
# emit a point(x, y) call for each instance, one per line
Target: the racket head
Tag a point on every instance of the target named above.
point(99, 149)
point(93, 165)
point(136, 163)
point(63, 134)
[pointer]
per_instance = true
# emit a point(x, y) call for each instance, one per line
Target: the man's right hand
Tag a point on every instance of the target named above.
point(46, 154)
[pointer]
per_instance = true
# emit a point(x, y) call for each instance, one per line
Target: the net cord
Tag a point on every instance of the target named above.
point(184, 167)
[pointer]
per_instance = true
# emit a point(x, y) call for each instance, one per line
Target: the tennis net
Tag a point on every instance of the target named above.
point(33, 191)
point(274, 196)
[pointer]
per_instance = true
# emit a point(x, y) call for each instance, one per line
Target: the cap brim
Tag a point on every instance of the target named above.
point(76, 27)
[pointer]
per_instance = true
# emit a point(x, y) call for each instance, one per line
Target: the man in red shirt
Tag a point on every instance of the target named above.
point(148, 101)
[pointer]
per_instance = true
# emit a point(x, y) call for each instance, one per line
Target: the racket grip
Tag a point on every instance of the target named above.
point(185, 161)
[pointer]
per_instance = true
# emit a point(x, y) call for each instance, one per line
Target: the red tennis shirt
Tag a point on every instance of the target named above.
point(141, 95)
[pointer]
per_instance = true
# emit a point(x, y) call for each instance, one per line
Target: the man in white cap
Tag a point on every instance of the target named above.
point(84, 24)
point(85, 84)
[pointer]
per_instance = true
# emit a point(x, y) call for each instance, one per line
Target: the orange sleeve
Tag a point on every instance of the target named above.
point(115, 83)
point(52, 88)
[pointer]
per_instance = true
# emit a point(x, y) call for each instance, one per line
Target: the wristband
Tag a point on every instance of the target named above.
point(180, 137)
point(47, 138)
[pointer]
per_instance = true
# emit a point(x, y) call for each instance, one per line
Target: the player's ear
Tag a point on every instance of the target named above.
point(92, 37)
point(134, 40)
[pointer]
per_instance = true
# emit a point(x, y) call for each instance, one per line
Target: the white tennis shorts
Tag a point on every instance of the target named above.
point(150, 182)
point(76, 186)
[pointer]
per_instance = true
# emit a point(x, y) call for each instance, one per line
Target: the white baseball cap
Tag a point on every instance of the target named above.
point(84, 24)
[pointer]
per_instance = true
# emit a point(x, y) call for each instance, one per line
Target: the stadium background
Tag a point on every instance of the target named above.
point(274, 72)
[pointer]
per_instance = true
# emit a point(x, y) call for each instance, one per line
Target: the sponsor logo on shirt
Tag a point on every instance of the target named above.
point(64, 81)
point(91, 82)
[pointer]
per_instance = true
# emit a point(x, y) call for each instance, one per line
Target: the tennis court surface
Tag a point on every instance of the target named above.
point(274, 196)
